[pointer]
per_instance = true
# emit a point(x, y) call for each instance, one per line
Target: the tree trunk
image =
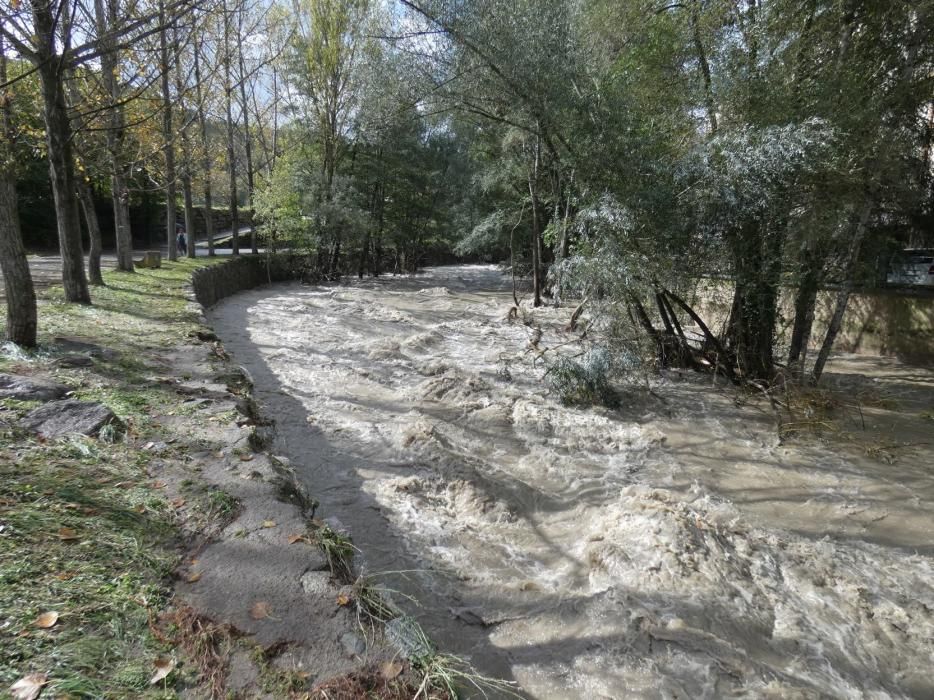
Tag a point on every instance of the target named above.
point(231, 151)
point(805, 303)
point(186, 148)
point(17, 280)
point(704, 66)
point(206, 157)
point(86, 198)
point(536, 235)
point(61, 161)
point(51, 69)
point(167, 135)
point(365, 248)
point(843, 295)
point(756, 259)
point(248, 145)
point(20, 295)
point(119, 174)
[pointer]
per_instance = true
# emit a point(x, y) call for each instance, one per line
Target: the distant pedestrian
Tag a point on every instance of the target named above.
point(180, 240)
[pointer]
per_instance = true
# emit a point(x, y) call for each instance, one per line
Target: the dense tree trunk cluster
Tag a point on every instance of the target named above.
point(95, 71)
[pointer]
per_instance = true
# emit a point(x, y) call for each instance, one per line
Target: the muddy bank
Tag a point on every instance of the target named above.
point(673, 547)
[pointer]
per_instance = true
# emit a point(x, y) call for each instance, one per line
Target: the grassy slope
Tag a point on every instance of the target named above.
point(84, 531)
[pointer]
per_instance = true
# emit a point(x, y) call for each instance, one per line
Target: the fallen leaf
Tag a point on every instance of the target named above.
point(269, 523)
point(246, 458)
point(66, 534)
point(29, 687)
point(390, 669)
point(194, 578)
point(46, 620)
point(178, 502)
point(65, 575)
point(260, 610)
point(140, 508)
point(343, 599)
point(163, 668)
point(159, 484)
point(297, 538)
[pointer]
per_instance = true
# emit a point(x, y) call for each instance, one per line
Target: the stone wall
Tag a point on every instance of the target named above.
point(897, 322)
point(211, 284)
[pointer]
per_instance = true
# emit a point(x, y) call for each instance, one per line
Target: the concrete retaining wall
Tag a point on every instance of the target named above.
point(883, 321)
point(211, 284)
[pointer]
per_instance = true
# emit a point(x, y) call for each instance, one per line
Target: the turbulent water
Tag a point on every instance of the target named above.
point(671, 548)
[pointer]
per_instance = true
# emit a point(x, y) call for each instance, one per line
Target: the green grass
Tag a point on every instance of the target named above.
point(83, 531)
point(131, 311)
point(338, 550)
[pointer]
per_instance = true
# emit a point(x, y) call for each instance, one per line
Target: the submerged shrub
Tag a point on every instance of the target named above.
point(585, 382)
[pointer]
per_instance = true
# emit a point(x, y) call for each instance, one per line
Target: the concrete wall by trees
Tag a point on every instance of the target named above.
point(211, 284)
point(896, 322)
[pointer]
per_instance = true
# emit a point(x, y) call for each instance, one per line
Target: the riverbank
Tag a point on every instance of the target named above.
point(168, 552)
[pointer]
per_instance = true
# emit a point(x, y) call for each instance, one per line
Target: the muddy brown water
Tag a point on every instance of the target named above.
point(672, 548)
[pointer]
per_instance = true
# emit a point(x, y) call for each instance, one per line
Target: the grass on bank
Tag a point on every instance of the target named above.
point(87, 539)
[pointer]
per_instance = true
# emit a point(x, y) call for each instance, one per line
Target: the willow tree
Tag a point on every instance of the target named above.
point(329, 50)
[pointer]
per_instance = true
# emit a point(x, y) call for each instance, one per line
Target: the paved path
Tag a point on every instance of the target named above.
point(46, 267)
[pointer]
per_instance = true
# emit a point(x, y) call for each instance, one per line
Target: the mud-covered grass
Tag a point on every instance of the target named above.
point(87, 537)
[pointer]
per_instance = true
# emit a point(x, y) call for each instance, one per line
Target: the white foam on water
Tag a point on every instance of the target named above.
point(669, 549)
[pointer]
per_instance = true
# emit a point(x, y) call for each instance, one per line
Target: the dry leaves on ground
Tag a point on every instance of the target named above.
point(390, 669)
point(260, 610)
point(29, 687)
point(163, 668)
point(46, 620)
point(66, 534)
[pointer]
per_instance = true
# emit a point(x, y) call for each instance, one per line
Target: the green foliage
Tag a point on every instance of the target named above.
point(585, 382)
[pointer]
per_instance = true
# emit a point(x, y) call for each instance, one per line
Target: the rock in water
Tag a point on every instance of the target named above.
point(14, 386)
point(68, 416)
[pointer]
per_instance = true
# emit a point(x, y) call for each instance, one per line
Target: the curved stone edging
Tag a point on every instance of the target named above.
point(216, 282)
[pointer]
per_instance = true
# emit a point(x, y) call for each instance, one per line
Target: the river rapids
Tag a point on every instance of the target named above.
point(671, 548)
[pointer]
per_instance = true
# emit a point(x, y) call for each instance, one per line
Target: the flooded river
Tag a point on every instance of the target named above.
point(671, 548)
